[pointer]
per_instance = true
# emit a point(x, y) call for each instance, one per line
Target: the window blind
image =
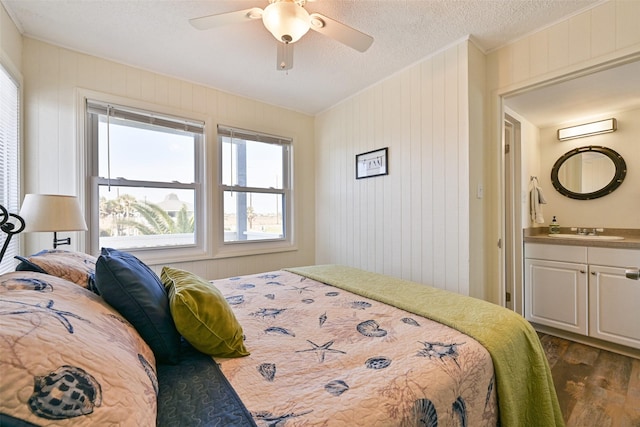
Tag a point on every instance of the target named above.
point(9, 158)
point(142, 116)
point(251, 135)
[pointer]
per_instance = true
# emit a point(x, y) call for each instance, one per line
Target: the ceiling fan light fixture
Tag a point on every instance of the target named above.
point(286, 20)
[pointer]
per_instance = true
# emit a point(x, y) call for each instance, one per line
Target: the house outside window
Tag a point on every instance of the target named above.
point(256, 187)
point(146, 179)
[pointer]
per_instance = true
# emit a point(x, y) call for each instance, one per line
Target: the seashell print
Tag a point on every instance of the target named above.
point(489, 390)
point(322, 319)
point(438, 350)
point(270, 296)
point(232, 278)
point(270, 419)
point(308, 300)
point(332, 294)
point(460, 411)
point(268, 312)
point(67, 392)
point(235, 299)
point(279, 330)
point(246, 286)
point(274, 283)
point(268, 276)
point(27, 284)
point(336, 387)
point(379, 362)
point(409, 321)
point(150, 372)
point(424, 413)
point(370, 328)
point(360, 305)
point(268, 371)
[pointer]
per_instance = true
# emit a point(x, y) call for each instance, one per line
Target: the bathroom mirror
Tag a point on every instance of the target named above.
point(588, 172)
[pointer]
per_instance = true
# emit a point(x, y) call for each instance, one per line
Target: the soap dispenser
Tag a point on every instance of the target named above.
point(554, 227)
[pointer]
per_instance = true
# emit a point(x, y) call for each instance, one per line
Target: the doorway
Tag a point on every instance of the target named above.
point(512, 214)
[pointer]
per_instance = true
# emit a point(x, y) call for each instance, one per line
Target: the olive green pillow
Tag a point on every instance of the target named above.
point(202, 315)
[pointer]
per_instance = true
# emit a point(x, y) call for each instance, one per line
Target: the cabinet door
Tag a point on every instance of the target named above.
point(614, 305)
point(556, 294)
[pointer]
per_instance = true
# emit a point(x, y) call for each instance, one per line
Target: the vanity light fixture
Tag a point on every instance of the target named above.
point(588, 129)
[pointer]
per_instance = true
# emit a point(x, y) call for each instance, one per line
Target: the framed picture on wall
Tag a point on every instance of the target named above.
point(372, 163)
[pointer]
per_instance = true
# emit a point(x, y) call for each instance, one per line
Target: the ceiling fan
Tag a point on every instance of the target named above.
point(288, 21)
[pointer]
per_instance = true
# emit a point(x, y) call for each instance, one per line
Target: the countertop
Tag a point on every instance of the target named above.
point(541, 235)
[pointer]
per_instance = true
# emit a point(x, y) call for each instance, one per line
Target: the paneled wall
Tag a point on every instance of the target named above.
point(414, 222)
point(10, 43)
point(596, 38)
point(425, 221)
point(52, 162)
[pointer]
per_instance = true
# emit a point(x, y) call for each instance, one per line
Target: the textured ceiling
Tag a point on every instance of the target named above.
point(241, 59)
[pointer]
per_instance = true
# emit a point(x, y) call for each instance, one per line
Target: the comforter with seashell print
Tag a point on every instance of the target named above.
point(323, 356)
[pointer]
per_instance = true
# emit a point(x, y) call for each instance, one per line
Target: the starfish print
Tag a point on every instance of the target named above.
point(321, 350)
point(47, 310)
point(301, 290)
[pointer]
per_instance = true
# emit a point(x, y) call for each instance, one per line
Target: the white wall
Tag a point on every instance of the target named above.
point(52, 162)
point(411, 223)
point(599, 37)
point(414, 222)
point(529, 165)
point(620, 209)
point(10, 42)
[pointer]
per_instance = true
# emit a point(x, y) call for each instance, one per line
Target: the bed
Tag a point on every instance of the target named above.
point(88, 341)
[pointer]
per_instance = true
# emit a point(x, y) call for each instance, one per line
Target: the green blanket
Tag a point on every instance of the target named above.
point(526, 395)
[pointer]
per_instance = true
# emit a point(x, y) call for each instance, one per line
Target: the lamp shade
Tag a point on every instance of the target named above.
point(49, 212)
point(286, 20)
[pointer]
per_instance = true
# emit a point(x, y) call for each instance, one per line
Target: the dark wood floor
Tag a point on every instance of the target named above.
point(596, 388)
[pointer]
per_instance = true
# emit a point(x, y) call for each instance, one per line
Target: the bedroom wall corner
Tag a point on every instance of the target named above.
point(53, 75)
point(10, 42)
point(414, 222)
point(478, 198)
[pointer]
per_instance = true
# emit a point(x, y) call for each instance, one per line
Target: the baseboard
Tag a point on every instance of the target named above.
point(593, 342)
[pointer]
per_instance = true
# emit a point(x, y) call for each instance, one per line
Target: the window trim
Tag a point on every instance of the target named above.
point(204, 239)
point(256, 247)
point(13, 206)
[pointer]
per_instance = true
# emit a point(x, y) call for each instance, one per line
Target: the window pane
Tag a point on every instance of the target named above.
point(252, 164)
point(252, 216)
point(143, 152)
point(146, 217)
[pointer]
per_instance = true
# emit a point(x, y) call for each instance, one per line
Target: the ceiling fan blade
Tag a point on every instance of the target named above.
point(222, 19)
point(340, 32)
point(285, 56)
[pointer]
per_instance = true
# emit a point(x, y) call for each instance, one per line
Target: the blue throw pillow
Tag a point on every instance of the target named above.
point(133, 289)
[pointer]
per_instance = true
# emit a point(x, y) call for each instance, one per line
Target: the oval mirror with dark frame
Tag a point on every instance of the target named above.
point(588, 172)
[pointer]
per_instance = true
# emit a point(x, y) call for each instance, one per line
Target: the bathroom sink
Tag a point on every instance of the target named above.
point(586, 237)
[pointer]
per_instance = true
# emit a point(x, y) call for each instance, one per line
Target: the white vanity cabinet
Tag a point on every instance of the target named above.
point(614, 300)
point(556, 292)
point(584, 290)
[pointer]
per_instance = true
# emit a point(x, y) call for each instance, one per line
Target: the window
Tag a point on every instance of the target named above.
point(146, 187)
point(255, 185)
point(9, 159)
